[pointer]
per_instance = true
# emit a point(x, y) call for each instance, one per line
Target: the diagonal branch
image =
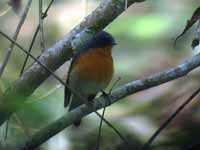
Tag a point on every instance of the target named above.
point(56, 55)
point(132, 87)
point(62, 83)
point(171, 118)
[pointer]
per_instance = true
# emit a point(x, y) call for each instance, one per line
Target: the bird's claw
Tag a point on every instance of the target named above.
point(107, 96)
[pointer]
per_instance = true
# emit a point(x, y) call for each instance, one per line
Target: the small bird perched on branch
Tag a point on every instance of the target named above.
point(90, 71)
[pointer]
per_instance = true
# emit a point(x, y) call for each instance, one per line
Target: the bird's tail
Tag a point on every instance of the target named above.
point(76, 102)
point(67, 96)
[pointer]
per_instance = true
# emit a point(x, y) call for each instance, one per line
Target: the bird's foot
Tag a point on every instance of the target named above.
point(107, 97)
point(90, 102)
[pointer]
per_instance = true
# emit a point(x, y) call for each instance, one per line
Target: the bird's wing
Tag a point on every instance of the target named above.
point(67, 95)
point(67, 92)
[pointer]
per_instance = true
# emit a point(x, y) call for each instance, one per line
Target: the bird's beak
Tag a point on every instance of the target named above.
point(114, 43)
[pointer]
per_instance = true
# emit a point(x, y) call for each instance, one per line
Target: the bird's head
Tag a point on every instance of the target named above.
point(101, 40)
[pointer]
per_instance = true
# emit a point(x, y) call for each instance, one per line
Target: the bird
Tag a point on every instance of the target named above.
point(90, 71)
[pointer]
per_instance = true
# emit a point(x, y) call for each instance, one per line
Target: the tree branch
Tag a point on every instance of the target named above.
point(62, 83)
point(41, 26)
point(56, 55)
point(119, 93)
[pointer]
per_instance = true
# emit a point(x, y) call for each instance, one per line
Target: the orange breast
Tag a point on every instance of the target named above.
point(95, 65)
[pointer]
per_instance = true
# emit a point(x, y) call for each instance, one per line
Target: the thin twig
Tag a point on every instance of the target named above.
point(45, 67)
point(139, 85)
point(114, 84)
point(60, 124)
point(19, 26)
point(29, 50)
point(171, 117)
point(42, 40)
point(73, 91)
point(59, 53)
point(180, 71)
point(100, 127)
point(63, 83)
point(30, 55)
point(149, 82)
point(107, 122)
point(34, 37)
point(10, 49)
point(102, 117)
point(112, 127)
